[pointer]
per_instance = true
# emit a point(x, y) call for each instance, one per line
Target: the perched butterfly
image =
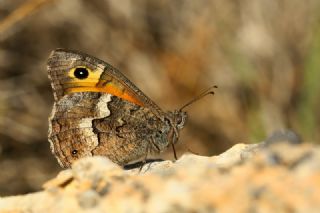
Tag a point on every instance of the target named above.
point(98, 111)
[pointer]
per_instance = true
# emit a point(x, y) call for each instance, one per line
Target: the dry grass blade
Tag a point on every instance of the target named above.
point(8, 24)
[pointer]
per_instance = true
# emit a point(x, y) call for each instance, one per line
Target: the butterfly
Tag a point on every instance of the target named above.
point(98, 111)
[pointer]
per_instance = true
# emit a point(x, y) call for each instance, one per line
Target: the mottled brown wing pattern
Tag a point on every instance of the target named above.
point(70, 126)
point(98, 111)
point(88, 123)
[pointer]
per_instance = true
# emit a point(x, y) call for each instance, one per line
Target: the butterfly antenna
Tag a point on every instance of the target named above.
point(208, 91)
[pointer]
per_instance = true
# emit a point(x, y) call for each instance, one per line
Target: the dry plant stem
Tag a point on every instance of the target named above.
point(8, 24)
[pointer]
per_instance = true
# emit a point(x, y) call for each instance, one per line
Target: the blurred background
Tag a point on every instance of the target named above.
point(264, 55)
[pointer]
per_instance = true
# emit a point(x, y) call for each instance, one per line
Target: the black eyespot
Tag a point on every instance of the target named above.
point(74, 152)
point(81, 73)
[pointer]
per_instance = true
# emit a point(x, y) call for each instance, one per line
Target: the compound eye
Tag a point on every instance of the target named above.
point(181, 119)
point(81, 73)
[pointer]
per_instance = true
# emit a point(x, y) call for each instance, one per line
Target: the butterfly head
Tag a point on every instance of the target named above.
point(177, 120)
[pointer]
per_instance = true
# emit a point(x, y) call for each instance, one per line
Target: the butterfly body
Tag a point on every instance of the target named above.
point(98, 111)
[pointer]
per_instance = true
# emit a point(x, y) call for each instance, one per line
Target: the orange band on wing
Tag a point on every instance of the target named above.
point(108, 89)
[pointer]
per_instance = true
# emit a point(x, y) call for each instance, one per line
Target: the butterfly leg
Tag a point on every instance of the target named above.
point(174, 136)
point(144, 161)
point(153, 142)
point(174, 151)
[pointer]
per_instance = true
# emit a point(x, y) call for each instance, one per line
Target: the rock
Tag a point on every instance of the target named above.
point(280, 177)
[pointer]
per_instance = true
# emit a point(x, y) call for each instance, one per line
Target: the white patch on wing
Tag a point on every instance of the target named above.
point(87, 132)
point(102, 106)
point(54, 109)
point(101, 111)
point(87, 135)
point(51, 117)
point(85, 123)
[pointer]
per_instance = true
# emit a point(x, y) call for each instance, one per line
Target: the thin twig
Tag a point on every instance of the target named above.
point(7, 24)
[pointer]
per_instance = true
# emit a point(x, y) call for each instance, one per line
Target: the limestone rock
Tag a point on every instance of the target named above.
point(280, 177)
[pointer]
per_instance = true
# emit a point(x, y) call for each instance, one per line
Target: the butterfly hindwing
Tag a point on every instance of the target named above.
point(92, 123)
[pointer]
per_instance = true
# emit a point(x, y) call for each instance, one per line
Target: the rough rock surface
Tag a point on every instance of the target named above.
point(279, 177)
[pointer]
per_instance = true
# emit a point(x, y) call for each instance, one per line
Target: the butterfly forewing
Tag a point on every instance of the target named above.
point(102, 77)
